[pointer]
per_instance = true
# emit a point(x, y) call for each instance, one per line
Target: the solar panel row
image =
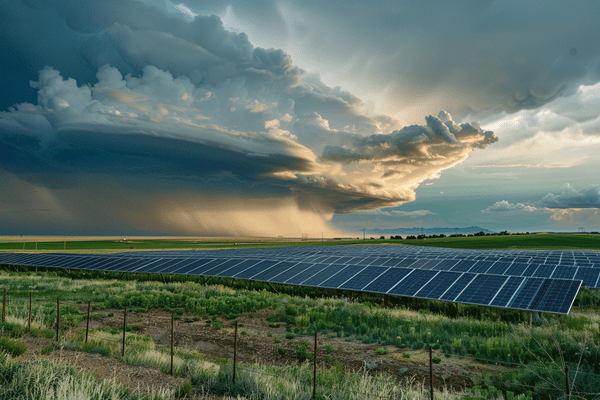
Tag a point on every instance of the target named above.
point(448, 280)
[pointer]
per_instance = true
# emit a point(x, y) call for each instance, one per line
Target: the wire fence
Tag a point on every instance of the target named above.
point(25, 306)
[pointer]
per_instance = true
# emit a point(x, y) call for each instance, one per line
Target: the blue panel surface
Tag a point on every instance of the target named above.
point(508, 291)
point(274, 271)
point(363, 278)
point(413, 282)
point(527, 293)
point(438, 285)
point(323, 275)
point(482, 289)
point(387, 280)
point(306, 274)
point(457, 287)
point(255, 267)
point(342, 276)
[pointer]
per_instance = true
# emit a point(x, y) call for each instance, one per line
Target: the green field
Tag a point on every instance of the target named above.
point(536, 242)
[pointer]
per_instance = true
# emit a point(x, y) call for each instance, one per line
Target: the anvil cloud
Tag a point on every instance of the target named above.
point(145, 122)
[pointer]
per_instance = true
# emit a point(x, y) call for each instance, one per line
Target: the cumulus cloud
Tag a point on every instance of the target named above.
point(506, 206)
point(573, 198)
point(187, 127)
point(571, 206)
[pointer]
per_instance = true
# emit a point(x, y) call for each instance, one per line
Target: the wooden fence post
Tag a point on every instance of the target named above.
point(57, 316)
point(172, 339)
point(314, 395)
point(430, 373)
point(87, 325)
point(29, 319)
point(4, 306)
point(124, 325)
point(568, 392)
point(235, 350)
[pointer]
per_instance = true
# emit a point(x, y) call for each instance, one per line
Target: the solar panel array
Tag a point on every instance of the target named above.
point(526, 280)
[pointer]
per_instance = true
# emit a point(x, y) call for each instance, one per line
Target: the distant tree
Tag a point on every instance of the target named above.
point(410, 237)
point(482, 233)
point(382, 237)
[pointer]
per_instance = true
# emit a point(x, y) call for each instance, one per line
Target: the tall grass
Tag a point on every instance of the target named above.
point(44, 379)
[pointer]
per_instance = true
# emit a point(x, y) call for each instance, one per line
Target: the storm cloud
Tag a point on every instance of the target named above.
point(141, 121)
point(408, 56)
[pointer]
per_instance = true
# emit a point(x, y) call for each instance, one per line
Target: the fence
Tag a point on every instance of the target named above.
point(314, 382)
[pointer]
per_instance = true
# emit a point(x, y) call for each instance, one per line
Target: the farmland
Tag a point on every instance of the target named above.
point(375, 342)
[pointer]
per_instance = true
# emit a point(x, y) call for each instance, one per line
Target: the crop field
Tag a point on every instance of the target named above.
point(369, 346)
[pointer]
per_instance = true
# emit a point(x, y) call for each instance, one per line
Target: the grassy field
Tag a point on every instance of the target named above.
point(535, 242)
point(522, 358)
point(538, 241)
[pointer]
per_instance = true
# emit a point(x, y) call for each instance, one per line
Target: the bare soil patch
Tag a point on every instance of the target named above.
point(254, 346)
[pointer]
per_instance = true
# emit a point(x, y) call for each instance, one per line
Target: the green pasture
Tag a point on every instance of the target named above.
point(534, 241)
point(540, 241)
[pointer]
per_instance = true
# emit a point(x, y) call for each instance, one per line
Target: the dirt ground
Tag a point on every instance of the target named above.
point(254, 346)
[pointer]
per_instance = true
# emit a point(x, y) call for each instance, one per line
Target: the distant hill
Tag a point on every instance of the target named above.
point(427, 231)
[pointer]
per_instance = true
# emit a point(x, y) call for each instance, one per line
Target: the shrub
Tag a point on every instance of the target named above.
point(47, 349)
point(184, 391)
point(406, 355)
point(436, 360)
point(291, 310)
point(328, 348)
point(274, 325)
point(277, 340)
point(103, 351)
point(281, 350)
point(328, 358)
point(302, 355)
point(290, 336)
point(382, 350)
point(269, 334)
point(244, 333)
point(12, 347)
point(218, 324)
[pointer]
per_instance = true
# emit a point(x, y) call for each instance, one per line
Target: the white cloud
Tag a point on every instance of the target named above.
point(506, 206)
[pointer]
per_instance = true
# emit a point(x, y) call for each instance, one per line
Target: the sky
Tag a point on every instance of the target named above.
point(289, 118)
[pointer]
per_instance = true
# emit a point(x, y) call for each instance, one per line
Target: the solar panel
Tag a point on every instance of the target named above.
point(413, 282)
point(387, 280)
point(482, 289)
point(436, 287)
point(501, 278)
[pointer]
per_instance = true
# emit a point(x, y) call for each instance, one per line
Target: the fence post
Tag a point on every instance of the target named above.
point(4, 306)
point(57, 316)
point(314, 395)
point(567, 382)
point(235, 350)
point(87, 325)
point(172, 339)
point(29, 319)
point(430, 373)
point(124, 323)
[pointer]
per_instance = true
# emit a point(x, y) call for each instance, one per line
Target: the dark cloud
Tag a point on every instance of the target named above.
point(467, 57)
point(573, 198)
point(569, 199)
point(162, 124)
